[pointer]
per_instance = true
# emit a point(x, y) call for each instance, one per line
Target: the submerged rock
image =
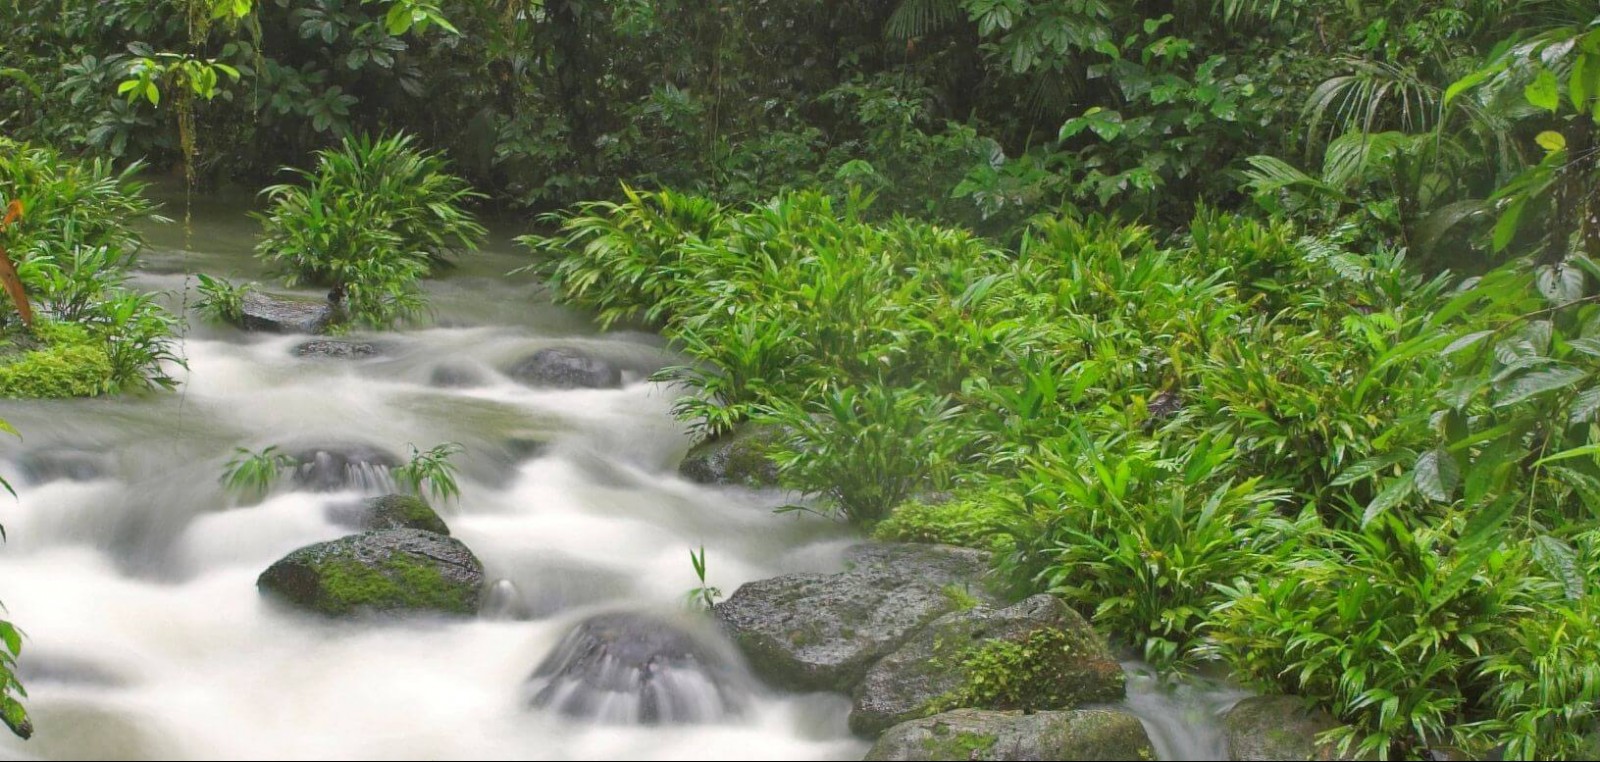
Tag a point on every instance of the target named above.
point(823, 631)
point(743, 457)
point(275, 313)
point(1037, 654)
point(457, 377)
point(336, 349)
point(42, 466)
point(565, 368)
point(640, 669)
point(1276, 727)
point(336, 466)
point(390, 512)
point(976, 734)
point(390, 571)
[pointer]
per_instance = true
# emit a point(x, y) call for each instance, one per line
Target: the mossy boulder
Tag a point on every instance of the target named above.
point(390, 571)
point(635, 668)
point(1277, 728)
point(742, 457)
point(824, 631)
point(391, 512)
point(566, 368)
point(978, 734)
point(278, 313)
point(61, 360)
point(1037, 654)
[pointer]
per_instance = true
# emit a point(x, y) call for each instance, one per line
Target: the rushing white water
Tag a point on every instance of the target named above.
point(133, 572)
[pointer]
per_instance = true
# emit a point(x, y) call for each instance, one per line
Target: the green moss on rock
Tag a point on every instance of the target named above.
point(743, 457)
point(1037, 654)
point(389, 571)
point(977, 734)
point(65, 361)
point(401, 512)
point(973, 520)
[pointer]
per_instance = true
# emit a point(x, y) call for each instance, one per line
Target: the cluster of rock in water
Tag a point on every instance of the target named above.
point(938, 666)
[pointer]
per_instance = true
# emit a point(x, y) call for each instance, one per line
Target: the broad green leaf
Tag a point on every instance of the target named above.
point(1539, 382)
point(1544, 91)
point(1551, 140)
point(1395, 493)
point(1560, 560)
point(1464, 342)
point(1437, 475)
point(1505, 228)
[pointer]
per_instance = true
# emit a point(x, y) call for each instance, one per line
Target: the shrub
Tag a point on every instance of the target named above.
point(369, 222)
point(71, 363)
point(971, 518)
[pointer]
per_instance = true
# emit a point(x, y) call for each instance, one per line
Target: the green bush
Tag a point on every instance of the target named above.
point(71, 363)
point(369, 222)
point(971, 519)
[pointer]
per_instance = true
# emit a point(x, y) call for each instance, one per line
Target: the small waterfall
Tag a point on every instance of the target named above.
point(641, 669)
point(1182, 714)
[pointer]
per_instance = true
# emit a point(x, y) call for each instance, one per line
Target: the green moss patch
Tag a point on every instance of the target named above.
point(975, 520)
point(59, 361)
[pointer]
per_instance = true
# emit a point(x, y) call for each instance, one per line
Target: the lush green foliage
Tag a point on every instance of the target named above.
point(220, 299)
point(73, 247)
point(370, 221)
point(431, 470)
point(12, 713)
point(252, 474)
point(64, 361)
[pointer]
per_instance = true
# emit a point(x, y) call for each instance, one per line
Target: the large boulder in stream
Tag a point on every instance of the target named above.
point(742, 457)
point(1276, 727)
point(1037, 654)
point(342, 465)
point(633, 668)
point(276, 313)
point(566, 368)
point(823, 631)
point(392, 571)
point(977, 734)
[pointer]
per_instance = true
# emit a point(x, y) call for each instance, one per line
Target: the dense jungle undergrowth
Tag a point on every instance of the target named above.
point(1267, 334)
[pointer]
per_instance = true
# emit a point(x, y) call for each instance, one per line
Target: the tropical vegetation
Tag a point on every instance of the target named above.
point(1264, 333)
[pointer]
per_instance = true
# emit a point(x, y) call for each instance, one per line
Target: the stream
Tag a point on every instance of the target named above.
point(133, 572)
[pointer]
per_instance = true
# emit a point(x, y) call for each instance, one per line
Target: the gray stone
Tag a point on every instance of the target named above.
point(1069, 665)
point(565, 368)
point(275, 313)
point(635, 668)
point(823, 631)
point(336, 349)
point(456, 377)
point(56, 464)
point(742, 457)
point(978, 734)
point(392, 571)
point(1276, 728)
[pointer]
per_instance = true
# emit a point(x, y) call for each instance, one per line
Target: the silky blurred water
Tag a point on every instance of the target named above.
point(133, 572)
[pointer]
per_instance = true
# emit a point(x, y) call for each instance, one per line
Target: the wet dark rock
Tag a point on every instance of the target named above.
point(457, 377)
point(742, 457)
point(336, 466)
point(977, 734)
point(824, 631)
point(336, 349)
point(1276, 727)
point(275, 313)
point(392, 571)
point(1070, 665)
point(640, 669)
point(566, 368)
point(48, 465)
